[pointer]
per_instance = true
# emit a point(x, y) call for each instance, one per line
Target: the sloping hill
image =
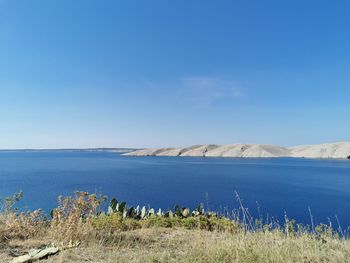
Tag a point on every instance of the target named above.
point(339, 150)
point(329, 150)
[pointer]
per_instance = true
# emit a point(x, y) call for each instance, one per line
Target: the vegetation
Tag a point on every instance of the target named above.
point(128, 234)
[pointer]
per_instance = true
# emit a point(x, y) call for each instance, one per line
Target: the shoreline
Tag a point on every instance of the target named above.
point(120, 150)
point(339, 150)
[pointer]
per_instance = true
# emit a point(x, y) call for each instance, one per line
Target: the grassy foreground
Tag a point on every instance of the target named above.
point(200, 238)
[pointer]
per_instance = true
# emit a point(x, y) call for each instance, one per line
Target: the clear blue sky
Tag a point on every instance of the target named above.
point(173, 73)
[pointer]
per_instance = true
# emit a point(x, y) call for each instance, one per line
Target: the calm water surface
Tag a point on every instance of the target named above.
point(275, 185)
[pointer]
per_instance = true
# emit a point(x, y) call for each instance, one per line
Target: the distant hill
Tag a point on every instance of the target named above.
point(339, 150)
point(121, 150)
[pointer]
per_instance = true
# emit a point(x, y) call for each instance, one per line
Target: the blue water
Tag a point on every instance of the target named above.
point(275, 185)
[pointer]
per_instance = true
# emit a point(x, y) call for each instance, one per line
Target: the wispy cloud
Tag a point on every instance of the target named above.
point(204, 91)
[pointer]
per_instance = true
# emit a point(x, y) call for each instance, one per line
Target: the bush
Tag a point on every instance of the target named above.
point(70, 220)
point(19, 225)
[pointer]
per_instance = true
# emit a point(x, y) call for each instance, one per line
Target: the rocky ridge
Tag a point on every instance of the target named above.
point(339, 150)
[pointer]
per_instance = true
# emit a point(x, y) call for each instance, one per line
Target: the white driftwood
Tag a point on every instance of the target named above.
point(36, 254)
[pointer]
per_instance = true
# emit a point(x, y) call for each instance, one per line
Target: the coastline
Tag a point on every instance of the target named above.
point(340, 150)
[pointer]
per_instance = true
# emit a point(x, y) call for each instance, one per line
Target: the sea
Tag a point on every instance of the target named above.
point(311, 191)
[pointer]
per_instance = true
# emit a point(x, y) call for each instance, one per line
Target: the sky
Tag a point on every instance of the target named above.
point(161, 73)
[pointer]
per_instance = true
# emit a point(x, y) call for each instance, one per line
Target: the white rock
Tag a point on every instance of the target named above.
point(22, 259)
point(197, 150)
point(330, 150)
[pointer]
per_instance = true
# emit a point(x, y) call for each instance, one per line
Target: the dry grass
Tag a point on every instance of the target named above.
point(21, 226)
point(110, 238)
point(181, 245)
